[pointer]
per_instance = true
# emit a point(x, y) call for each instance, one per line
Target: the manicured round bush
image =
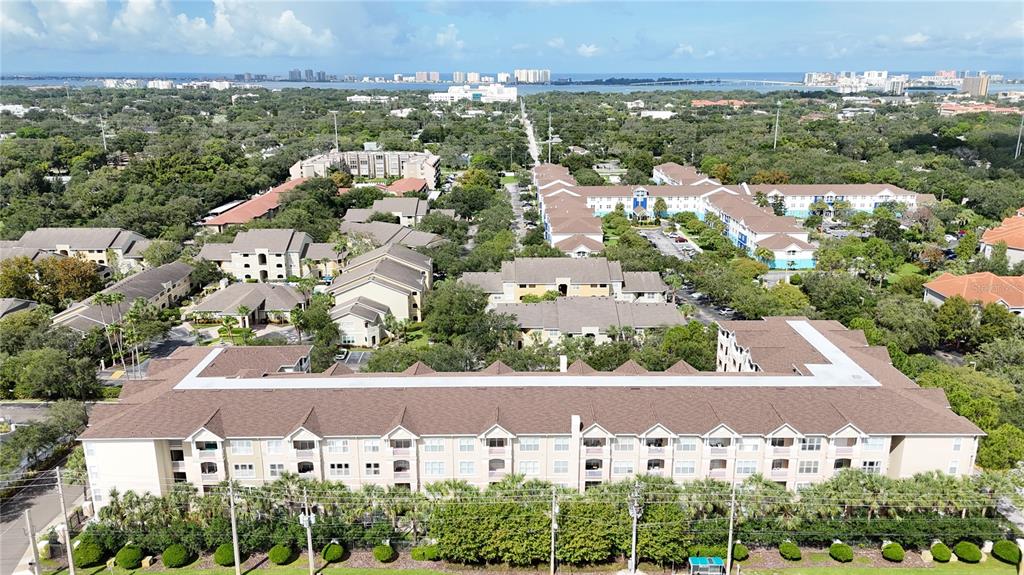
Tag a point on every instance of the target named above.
point(841, 552)
point(941, 552)
point(384, 553)
point(740, 552)
point(224, 555)
point(333, 552)
point(425, 553)
point(967, 552)
point(1006, 551)
point(88, 554)
point(129, 557)
point(893, 552)
point(281, 554)
point(789, 551)
point(176, 556)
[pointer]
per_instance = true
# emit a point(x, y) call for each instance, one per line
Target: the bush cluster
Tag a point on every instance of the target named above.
point(740, 552)
point(224, 555)
point(841, 552)
point(333, 552)
point(1006, 551)
point(129, 557)
point(88, 554)
point(893, 552)
point(941, 553)
point(967, 552)
point(176, 556)
point(281, 554)
point(384, 553)
point(789, 551)
point(425, 553)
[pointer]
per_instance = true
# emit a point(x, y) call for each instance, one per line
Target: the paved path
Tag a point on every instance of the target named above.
point(519, 225)
point(530, 136)
point(43, 503)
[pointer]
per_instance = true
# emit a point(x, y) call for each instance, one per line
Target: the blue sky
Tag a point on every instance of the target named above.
point(225, 36)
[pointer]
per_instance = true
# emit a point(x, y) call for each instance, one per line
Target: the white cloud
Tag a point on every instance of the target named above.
point(556, 43)
point(915, 39)
point(587, 50)
point(448, 38)
point(682, 50)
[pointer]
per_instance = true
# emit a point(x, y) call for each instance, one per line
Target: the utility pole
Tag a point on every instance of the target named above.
point(1016, 155)
point(234, 528)
point(549, 137)
point(67, 528)
point(554, 526)
point(103, 131)
point(635, 511)
point(335, 114)
point(307, 520)
point(778, 110)
point(732, 521)
point(32, 542)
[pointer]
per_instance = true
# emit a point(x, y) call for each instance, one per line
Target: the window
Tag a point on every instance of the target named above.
point(371, 445)
point(433, 445)
point(749, 444)
point(304, 445)
point(529, 444)
point(560, 466)
point(177, 455)
point(276, 469)
point(496, 442)
point(686, 467)
point(747, 467)
point(873, 443)
point(466, 468)
point(686, 444)
point(779, 442)
point(275, 446)
point(434, 468)
point(338, 469)
point(561, 444)
point(623, 444)
point(719, 442)
point(957, 443)
point(245, 470)
point(529, 467)
point(207, 467)
point(466, 445)
point(337, 446)
point(807, 467)
point(206, 446)
point(305, 467)
point(810, 444)
point(622, 467)
point(871, 467)
point(373, 469)
point(954, 467)
point(90, 449)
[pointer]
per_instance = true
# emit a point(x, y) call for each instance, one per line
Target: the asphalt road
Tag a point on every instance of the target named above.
point(517, 209)
point(530, 136)
point(43, 503)
point(703, 312)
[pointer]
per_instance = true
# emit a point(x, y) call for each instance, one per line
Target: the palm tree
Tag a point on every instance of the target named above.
point(228, 324)
point(765, 255)
point(243, 312)
point(115, 298)
point(102, 300)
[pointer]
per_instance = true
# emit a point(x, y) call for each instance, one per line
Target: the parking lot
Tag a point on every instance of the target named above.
point(357, 360)
point(669, 246)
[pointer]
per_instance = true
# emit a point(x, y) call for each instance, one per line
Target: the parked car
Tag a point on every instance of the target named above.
point(697, 295)
point(342, 355)
point(681, 240)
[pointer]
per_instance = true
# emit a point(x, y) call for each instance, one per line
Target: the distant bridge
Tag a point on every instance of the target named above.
point(687, 81)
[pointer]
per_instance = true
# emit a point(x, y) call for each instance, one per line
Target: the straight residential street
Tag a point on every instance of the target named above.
point(43, 503)
point(517, 208)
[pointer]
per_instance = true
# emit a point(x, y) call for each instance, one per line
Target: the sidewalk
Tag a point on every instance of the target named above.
point(42, 501)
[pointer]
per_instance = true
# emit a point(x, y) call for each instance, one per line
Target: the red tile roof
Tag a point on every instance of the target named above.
point(984, 287)
point(256, 207)
point(1010, 231)
point(399, 187)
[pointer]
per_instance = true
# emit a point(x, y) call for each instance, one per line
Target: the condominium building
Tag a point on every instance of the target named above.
point(590, 317)
point(262, 206)
point(975, 86)
point(472, 77)
point(373, 164)
point(587, 277)
point(532, 76)
point(486, 93)
point(269, 255)
point(112, 248)
point(794, 400)
point(409, 211)
point(458, 77)
point(392, 277)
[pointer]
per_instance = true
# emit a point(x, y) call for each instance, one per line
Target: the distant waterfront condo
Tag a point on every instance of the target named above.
point(486, 94)
point(372, 164)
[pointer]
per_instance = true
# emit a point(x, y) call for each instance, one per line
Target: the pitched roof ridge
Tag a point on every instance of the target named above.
point(418, 368)
point(630, 367)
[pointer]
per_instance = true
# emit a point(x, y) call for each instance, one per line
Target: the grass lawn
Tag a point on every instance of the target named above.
point(295, 568)
point(509, 180)
point(990, 567)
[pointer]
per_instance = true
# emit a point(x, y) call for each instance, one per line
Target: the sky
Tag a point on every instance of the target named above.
point(566, 36)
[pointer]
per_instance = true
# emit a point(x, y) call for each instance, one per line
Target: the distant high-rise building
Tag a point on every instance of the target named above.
point(435, 76)
point(321, 76)
point(946, 74)
point(976, 86)
point(473, 77)
point(504, 77)
point(532, 76)
point(309, 75)
point(422, 76)
point(397, 77)
point(459, 77)
point(295, 75)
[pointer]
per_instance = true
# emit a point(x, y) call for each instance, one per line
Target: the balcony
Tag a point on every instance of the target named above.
point(401, 451)
point(497, 474)
point(594, 473)
point(209, 454)
point(780, 473)
point(497, 450)
point(844, 451)
point(718, 451)
point(305, 453)
point(782, 450)
point(657, 471)
point(210, 477)
point(178, 465)
point(655, 449)
point(402, 475)
point(717, 473)
point(594, 450)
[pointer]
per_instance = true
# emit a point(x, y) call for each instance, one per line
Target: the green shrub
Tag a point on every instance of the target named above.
point(224, 555)
point(129, 557)
point(708, 551)
point(384, 553)
point(425, 553)
point(789, 551)
point(941, 553)
point(88, 554)
point(967, 552)
point(281, 554)
point(1006, 551)
point(841, 552)
point(893, 552)
point(740, 552)
point(176, 556)
point(333, 552)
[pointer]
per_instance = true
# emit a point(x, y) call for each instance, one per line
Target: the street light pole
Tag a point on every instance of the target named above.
point(67, 528)
point(234, 528)
point(732, 518)
point(635, 511)
point(778, 110)
point(554, 525)
point(308, 519)
point(335, 114)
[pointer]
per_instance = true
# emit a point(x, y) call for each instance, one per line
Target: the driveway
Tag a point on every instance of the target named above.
point(357, 360)
point(43, 503)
